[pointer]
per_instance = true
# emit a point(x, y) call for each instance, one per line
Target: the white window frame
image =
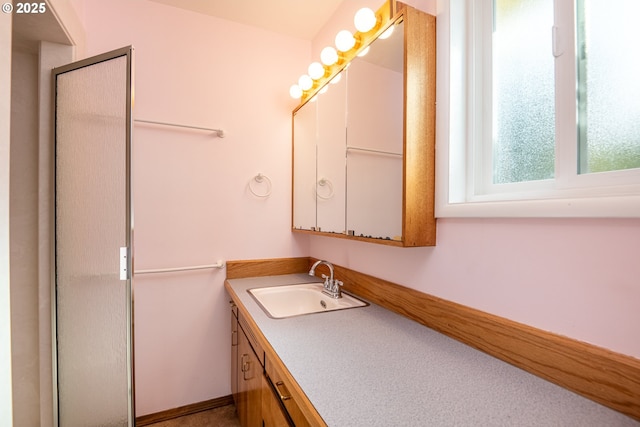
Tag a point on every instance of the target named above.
point(459, 162)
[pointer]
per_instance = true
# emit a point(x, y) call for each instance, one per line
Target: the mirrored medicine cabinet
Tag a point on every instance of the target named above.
point(364, 141)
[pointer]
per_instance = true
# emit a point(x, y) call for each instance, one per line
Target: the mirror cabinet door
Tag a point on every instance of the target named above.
point(332, 141)
point(364, 148)
point(375, 139)
point(304, 167)
point(348, 148)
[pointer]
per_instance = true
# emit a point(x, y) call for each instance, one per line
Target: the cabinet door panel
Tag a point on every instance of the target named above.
point(273, 414)
point(234, 356)
point(287, 399)
point(249, 384)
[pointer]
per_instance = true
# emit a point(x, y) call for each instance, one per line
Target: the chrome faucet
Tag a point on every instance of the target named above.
point(331, 286)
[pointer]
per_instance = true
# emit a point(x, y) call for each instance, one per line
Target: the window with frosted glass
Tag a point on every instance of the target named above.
point(609, 85)
point(523, 128)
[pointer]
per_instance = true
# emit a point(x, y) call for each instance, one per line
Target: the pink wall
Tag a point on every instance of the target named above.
point(192, 205)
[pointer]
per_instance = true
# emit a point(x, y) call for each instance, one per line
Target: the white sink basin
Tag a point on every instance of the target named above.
point(303, 298)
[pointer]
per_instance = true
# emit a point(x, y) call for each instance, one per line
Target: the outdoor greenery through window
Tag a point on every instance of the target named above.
point(609, 84)
point(528, 85)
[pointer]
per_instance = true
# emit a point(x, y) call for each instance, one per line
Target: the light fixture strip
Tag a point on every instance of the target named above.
point(387, 18)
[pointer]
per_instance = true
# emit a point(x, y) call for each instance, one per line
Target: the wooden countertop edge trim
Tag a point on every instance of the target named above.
point(609, 378)
point(301, 398)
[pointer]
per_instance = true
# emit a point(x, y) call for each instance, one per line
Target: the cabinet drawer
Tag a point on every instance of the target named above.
point(255, 344)
point(283, 389)
point(273, 413)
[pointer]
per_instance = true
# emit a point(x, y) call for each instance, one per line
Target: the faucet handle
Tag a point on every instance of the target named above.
point(336, 286)
point(327, 281)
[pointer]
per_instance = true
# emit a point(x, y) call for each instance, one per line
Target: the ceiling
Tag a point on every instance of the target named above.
point(29, 28)
point(297, 18)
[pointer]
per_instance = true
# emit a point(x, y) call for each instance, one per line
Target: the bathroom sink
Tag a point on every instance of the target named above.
point(303, 298)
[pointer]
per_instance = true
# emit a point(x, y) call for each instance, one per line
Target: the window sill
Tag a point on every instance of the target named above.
point(627, 206)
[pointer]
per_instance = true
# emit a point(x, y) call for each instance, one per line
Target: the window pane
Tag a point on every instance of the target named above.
point(609, 85)
point(523, 91)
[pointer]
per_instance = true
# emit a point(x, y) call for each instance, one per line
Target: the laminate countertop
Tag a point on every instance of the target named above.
point(370, 367)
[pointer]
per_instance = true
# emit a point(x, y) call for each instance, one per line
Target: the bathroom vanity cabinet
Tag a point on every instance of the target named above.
point(281, 387)
point(272, 413)
point(260, 389)
point(246, 374)
point(341, 368)
point(249, 382)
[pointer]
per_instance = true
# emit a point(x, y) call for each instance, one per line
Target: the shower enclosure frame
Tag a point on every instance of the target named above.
point(126, 252)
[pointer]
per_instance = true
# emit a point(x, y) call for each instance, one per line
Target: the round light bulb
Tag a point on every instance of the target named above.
point(305, 82)
point(364, 51)
point(365, 19)
point(387, 33)
point(329, 56)
point(345, 40)
point(316, 70)
point(295, 92)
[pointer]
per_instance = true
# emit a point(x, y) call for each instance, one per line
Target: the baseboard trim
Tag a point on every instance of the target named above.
point(609, 378)
point(193, 408)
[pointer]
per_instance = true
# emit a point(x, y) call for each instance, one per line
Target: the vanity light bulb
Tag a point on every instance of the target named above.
point(305, 82)
point(364, 51)
point(316, 70)
point(295, 92)
point(365, 19)
point(345, 40)
point(387, 33)
point(329, 56)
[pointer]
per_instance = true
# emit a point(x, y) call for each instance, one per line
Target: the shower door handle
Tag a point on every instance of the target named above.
point(124, 263)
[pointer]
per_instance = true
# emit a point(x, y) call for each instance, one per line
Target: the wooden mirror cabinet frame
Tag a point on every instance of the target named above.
point(418, 180)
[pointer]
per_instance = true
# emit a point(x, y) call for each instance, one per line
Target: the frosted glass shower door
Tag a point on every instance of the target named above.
point(93, 305)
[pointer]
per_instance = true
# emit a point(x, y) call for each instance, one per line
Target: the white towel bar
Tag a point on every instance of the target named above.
point(218, 132)
point(370, 150)
point(220, 264)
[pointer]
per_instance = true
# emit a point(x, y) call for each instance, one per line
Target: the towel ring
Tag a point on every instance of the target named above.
point(260, 179)
point(322, 182)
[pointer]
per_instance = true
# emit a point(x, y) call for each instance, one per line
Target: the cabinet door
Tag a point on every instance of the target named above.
point(288, 400)
point(234, 354)
point(249, 384)
point(273, 414)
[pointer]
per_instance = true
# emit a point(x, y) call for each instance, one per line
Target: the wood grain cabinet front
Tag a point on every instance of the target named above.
point(234, 352)
point(250, 373)
point(284, 394)
point(273, 413)
point(260, 390)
